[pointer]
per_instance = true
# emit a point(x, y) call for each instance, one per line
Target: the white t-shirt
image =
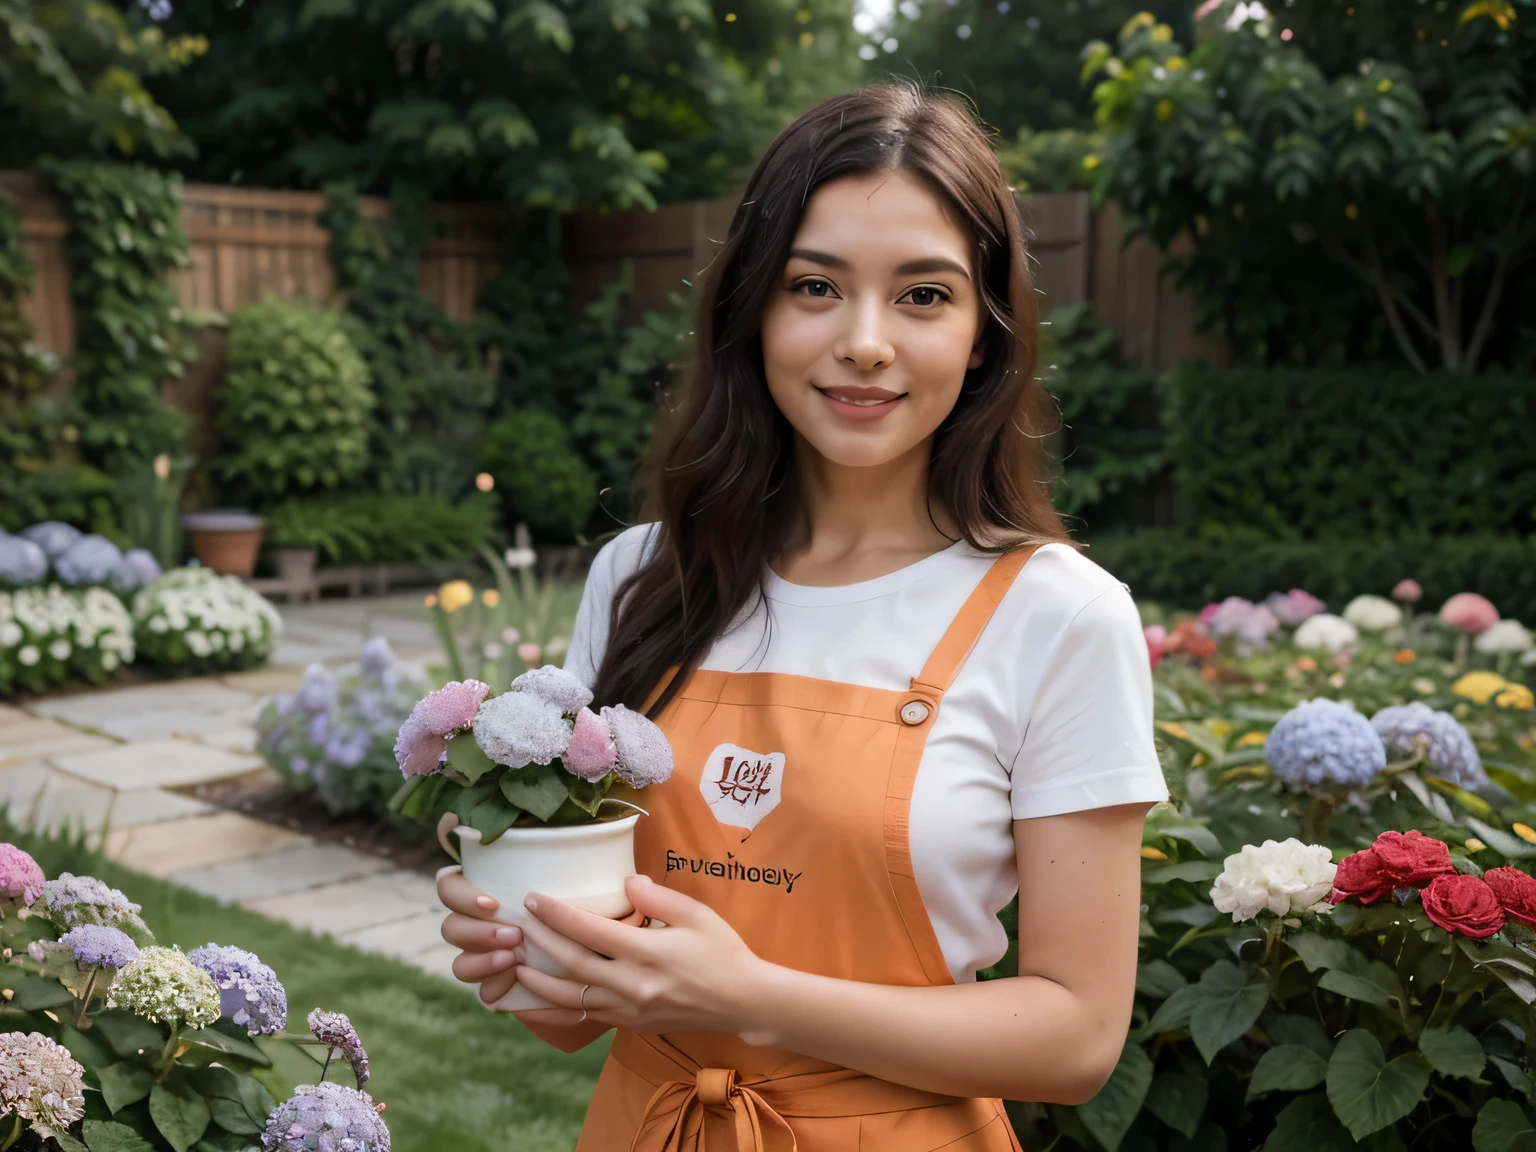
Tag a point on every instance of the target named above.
point(1051, 713)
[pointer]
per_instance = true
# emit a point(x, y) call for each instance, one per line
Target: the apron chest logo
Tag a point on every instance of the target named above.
point(741, 786)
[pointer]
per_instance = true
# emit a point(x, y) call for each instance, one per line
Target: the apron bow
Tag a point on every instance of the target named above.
point(716, 1113)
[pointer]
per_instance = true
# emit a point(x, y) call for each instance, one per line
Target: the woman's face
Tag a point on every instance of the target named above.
point(870, 330)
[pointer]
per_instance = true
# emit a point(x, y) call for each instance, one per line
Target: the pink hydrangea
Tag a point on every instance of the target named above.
point(519, 728)
point(1251, 623)
point(1407, 591)
point(424, 736)
point(1157, 643)
point(645, 757)
point(1209, 611)
point(1469, 612)
point(21, 879)
point(591, 754)
point(1293, 607)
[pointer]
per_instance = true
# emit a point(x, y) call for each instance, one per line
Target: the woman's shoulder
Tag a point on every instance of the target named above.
point(1059, 584)
point(621, 557)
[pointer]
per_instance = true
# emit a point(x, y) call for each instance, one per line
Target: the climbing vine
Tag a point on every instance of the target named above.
point(125, 236)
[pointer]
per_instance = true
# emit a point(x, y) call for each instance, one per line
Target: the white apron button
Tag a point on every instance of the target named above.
point(914, 712)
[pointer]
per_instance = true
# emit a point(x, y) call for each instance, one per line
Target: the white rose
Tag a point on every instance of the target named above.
point(1373, 613)
point(1505, 636)
point(1285, 877)
point(29, 655)
point(1326, 631)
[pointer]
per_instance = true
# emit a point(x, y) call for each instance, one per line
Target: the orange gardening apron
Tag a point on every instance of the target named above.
point(787, 814)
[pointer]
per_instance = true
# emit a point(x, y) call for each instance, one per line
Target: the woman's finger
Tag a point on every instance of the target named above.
point(552, 1017)
point(497, 986)
point(473, 935)
point(601, 935)
point(461, 896)
point(473, 967)
point(572, 994)
point(584, 965)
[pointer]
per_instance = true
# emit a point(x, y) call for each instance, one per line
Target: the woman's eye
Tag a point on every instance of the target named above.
point(926, 297)
point(818, 288)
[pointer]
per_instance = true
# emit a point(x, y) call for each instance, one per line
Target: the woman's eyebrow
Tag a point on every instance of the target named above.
point(910, 268)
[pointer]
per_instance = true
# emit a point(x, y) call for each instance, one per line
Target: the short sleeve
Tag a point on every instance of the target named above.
point(1088, 741)
point(614, 563)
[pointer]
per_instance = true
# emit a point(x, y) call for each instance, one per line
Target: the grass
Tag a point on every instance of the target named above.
point(453, 1075)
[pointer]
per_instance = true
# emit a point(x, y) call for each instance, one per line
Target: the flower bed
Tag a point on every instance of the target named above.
point(193, 620)
point(50, 636)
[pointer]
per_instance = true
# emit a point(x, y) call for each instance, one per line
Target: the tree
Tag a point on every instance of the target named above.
point(1328, 159)
point(72, 80)
point(611, 102)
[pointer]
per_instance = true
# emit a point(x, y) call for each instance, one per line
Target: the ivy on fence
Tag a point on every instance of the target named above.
point(26, 427)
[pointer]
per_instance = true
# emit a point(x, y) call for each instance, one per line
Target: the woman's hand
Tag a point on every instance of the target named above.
point(490, 950)
point(693, 975)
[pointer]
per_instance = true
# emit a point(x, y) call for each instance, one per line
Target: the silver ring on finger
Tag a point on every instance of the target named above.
point(585, 988)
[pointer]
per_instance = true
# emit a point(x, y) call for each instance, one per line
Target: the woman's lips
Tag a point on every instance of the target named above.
point(860, 404)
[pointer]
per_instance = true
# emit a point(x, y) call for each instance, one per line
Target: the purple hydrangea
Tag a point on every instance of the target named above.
point(89, 560)
point(318, 692)
point(556, 686)
point(138, 568)
point(319, 728)
point(21, 877)
point(326, 1118)
point(1292, 607)
point(645, 757)
point(249, 991)
point(335, 1031)
point(519, 728)
point(379, 665)
point(424, 736)
point(1324, 742)
point(100, 946)
point(21, 561)
point(53, 536)
point(71, 901)
point(1447, 746)
point(348, 748)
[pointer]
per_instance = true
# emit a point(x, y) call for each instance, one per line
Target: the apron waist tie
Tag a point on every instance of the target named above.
point(693, 1108)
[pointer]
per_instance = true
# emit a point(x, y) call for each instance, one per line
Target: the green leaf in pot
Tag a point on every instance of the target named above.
point(538, 789)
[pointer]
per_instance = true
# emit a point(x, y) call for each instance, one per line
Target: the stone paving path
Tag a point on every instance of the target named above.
point(101, 763)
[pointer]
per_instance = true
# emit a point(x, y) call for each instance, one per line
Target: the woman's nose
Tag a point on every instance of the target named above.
point(865, 343)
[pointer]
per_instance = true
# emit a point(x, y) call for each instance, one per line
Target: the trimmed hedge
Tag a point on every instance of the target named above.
point(1185, 568)
point(1111, 449)
point(1336, 454)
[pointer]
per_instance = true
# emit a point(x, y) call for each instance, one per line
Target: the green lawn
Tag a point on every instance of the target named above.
point(453, 1075)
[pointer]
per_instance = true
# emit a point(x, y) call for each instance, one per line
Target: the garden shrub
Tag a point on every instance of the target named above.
point(193, 620)
point(541, 478)
point(384, 529)
point(1340, 453)
point(51, 636)
point(293, 413)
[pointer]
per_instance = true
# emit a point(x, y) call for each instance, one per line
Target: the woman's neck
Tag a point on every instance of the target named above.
point(861, 523)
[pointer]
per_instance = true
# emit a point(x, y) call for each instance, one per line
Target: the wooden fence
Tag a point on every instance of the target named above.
point(247, 243)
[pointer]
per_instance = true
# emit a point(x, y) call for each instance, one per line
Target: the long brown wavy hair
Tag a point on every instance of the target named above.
point(720, 481)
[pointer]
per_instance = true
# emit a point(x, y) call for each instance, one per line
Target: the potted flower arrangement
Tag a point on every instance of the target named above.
point(527, 774)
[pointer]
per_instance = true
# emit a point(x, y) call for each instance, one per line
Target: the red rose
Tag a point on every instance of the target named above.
point(1516, 891)
point(1412, 859)
point(1361, 876)
point(1463, 904)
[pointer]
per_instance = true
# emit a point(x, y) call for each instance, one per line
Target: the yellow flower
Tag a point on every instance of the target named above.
point(1173, 729)
point(1197, 760)
point(1515, 696)
point(1352, 210)
point(490, 597)
point(1165, 109)
point(1526, 833)
point(807, 39)
point(1361, 119)
point(456, 594)
point(1220, 728)
point(1475, 845)
point(1252, 740)
point(1479, 687)
point(1090, 162)
point(1150, 853)
point(1174, 63)
point(1140, 20)
point(1498, 11)
point(1384, 86)
point(1162, 34)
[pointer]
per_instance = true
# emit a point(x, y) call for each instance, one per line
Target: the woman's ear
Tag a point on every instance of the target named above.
point(978, 354)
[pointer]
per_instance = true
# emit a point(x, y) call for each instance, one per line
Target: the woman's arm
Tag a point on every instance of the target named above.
point(1053, 1033)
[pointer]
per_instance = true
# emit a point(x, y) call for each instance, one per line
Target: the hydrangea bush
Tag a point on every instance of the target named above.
point(61, 552)
point(115, 1044)
point(336, 736)
point(194, 620)
point(50, 636)
point(536, 753)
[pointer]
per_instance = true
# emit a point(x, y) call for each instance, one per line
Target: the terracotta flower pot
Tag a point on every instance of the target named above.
point(582, 864)
point(295, 565)
point(225, 540)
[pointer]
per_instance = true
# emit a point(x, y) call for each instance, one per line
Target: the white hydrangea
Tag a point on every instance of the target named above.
point(1504, 636)
point(211, 614)
point(84, 629)
point(1326, 632)
point(1373, 613)
point(1286, 877)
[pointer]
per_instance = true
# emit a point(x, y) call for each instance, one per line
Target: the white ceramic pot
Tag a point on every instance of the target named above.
point(582, 864)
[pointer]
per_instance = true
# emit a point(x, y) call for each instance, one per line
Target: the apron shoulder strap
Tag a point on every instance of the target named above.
point(966, 628)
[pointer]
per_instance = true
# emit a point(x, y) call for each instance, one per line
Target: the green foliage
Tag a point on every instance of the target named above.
point(535, 104)
point(73, 493)
point(1058, 160)
point(1336, 454)
point(72, 78)
point(1393, 145)
point(1179, 566)
point(541, 478)
point(383, 529)
point(293, 411)
point(125, 237)
point(430, 387)
point(1017, 61)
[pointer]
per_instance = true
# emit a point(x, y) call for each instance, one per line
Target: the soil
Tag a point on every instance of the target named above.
point(262, 796)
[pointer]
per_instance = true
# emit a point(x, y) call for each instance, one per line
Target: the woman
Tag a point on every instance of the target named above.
point(900, 694)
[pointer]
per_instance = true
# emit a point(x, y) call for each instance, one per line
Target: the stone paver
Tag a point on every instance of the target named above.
point(10, 715)
point(353, 904)
point(35, 739)
point(401, 939)
point(179, 721)
point(91, 810)
point(89, 709)
point(157, 764)
point(266, 681)
point(307, 864)
point(176, 846)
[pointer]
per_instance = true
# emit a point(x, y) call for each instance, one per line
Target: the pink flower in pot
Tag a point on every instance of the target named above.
point(1469, 612)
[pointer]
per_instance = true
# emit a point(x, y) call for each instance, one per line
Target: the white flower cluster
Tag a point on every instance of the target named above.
point(194, 614)
point(1286, 877)
point(49, 635)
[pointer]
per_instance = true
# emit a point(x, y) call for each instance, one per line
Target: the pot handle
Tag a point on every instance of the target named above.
point(626, 803)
